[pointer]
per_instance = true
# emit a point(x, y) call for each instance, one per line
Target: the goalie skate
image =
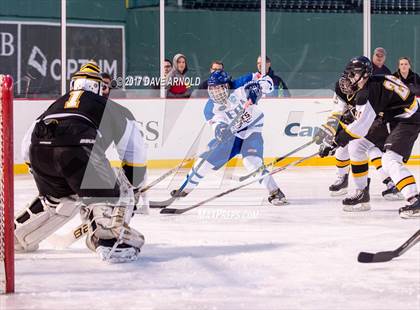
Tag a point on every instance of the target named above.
point(339, 187)
point(359, 201)
point(117, 255)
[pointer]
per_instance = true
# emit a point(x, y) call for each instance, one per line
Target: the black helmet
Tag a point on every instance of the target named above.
point(358, 65)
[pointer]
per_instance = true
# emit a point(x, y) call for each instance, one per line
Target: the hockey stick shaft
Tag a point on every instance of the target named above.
point(167, 174)
point(180, 211)
point(275, 161)
point(408, 244)
point(188, 158)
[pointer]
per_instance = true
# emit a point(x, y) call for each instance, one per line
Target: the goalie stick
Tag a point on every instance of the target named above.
point(165, 203)
point(67, 239)
point(275, 161)
point(180, 211)
point(385, 256)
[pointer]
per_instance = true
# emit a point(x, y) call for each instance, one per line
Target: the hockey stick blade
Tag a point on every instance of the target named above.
point(386, 256)
point(171, 211)
point(161, 204)
point(380, 257)
point(180, 211)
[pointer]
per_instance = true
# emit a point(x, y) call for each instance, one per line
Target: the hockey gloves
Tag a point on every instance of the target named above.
point(253, 91)
point(327, 148)
point(327, 131)
point(221, 132)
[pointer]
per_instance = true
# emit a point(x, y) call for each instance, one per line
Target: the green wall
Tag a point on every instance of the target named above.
point(308, 50)
point(103, 10)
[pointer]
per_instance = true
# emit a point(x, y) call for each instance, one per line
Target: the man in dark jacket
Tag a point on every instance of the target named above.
point(280, 87)
point(378, 61)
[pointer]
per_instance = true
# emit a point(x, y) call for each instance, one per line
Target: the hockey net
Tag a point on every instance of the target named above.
point(6, 185)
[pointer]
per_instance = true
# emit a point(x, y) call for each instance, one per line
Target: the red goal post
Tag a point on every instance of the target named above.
point(7, 284)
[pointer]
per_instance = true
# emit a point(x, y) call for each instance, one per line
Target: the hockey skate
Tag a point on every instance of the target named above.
point(339, 187)
point(412, 210)
point(277, 198)
point(359, 201)
point(176, 193)
point(391, 193)
point(117, 255)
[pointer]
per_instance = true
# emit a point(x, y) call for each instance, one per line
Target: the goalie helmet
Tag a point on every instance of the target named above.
point(218, 86)
point(88, 78)
point(357, 69)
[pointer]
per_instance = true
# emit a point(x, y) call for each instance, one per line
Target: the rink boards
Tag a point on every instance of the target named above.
point(174, 128)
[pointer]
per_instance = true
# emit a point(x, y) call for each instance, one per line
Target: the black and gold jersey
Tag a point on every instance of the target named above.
point(389, 97)
point(383, 96)
point(82, 118)
point(88, 109)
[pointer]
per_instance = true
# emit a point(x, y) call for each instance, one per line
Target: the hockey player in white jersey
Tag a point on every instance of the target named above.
point(237, 123)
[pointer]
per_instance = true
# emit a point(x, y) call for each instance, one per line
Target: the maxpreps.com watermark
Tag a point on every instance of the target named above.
point(155, 81)
point(223, 214)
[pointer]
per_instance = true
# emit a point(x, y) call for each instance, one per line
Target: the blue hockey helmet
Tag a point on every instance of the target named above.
point(218, 87)
point(218, 77)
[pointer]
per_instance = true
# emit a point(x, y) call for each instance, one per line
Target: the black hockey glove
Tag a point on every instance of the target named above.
point(327, 148)
point(221, 132)
point(327, 131)
point(253, 91)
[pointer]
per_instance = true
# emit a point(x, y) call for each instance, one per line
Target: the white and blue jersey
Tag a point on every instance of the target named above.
point(252, 119)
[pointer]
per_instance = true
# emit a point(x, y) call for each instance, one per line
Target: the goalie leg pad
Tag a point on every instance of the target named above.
point(107, 222)
point(42, 218)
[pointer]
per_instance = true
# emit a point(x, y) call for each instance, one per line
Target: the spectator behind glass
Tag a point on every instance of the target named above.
point(280, 87)
point(176, 87)
point(167, 67)
point(106, 86)
point(378, 61)
point(408, 77)
point(216, 65)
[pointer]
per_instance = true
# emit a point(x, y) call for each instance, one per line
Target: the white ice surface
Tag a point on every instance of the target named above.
point(235, 253)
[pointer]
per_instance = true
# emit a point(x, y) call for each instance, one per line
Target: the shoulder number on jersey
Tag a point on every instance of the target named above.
point(395, 85)
point(74, 99)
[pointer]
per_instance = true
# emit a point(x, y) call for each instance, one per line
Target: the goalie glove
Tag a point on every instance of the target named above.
point(253, 91)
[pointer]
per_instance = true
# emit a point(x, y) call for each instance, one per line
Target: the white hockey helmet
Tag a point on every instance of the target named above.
point(88, 78)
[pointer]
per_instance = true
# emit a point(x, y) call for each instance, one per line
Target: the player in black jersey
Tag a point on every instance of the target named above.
point(356, 154)
point(388, 98)
point(65, 149)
